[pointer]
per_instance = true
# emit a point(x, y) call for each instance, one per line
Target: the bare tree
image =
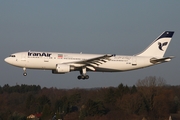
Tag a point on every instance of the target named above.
point(149, 88)
point(151, 81)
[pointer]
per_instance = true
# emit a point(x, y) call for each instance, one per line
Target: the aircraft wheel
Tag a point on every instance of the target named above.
point(87, 76)
point(83, 77)
point(79, 77)
point(25, 74)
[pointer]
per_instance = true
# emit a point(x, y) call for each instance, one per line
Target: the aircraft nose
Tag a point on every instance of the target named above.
point(6, 60)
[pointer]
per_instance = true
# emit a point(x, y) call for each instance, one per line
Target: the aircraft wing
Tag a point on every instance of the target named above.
point(93, 62)
point(161, 60)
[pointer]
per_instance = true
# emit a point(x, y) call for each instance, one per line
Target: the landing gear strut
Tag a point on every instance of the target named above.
point(25, 74)
point(83, 74)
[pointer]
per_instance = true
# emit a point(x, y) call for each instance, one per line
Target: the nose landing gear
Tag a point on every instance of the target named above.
point(24, 69)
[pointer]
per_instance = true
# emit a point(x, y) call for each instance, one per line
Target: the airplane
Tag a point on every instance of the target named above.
point(61, 63)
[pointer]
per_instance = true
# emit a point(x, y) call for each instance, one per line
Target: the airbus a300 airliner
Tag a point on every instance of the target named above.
point(60, 63)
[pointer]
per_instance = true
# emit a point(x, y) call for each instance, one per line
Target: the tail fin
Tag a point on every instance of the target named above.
point(159, 45)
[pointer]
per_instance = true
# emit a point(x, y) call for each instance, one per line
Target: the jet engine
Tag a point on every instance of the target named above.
point(61, 69)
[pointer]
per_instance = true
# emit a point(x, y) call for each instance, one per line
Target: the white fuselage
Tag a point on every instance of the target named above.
point(61, 63)
point(49, 60)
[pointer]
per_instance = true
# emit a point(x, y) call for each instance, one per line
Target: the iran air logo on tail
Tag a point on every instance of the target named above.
point(161, 45)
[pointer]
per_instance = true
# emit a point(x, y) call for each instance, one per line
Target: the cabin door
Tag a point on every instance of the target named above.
point(24, 59)
point(134, 61)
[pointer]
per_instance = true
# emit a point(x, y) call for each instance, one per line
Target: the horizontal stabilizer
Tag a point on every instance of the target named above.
point(161, 60)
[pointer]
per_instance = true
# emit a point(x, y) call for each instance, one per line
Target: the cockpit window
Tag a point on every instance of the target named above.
point(12, 56)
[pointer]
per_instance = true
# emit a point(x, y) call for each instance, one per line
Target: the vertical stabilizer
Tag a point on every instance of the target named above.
point(159, 46)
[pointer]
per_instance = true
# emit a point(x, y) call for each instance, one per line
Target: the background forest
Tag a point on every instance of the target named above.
point(150, 98)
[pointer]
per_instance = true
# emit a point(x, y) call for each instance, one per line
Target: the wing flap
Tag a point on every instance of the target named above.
point(93, 62)
point(91, 68)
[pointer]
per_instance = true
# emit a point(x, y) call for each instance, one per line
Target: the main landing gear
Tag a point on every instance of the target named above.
point(25, 73)
point(83, 74)
point(83, 77)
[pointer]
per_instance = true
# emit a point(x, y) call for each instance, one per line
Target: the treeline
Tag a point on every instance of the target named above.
point(150, 98)
point(19, 88)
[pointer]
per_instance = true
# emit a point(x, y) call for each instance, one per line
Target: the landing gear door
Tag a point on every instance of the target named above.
point(134, 61)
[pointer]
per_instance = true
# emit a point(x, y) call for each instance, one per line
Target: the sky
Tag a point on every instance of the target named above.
point(121, 27)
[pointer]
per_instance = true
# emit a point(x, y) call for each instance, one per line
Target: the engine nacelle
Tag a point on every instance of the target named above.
point(61, 69)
